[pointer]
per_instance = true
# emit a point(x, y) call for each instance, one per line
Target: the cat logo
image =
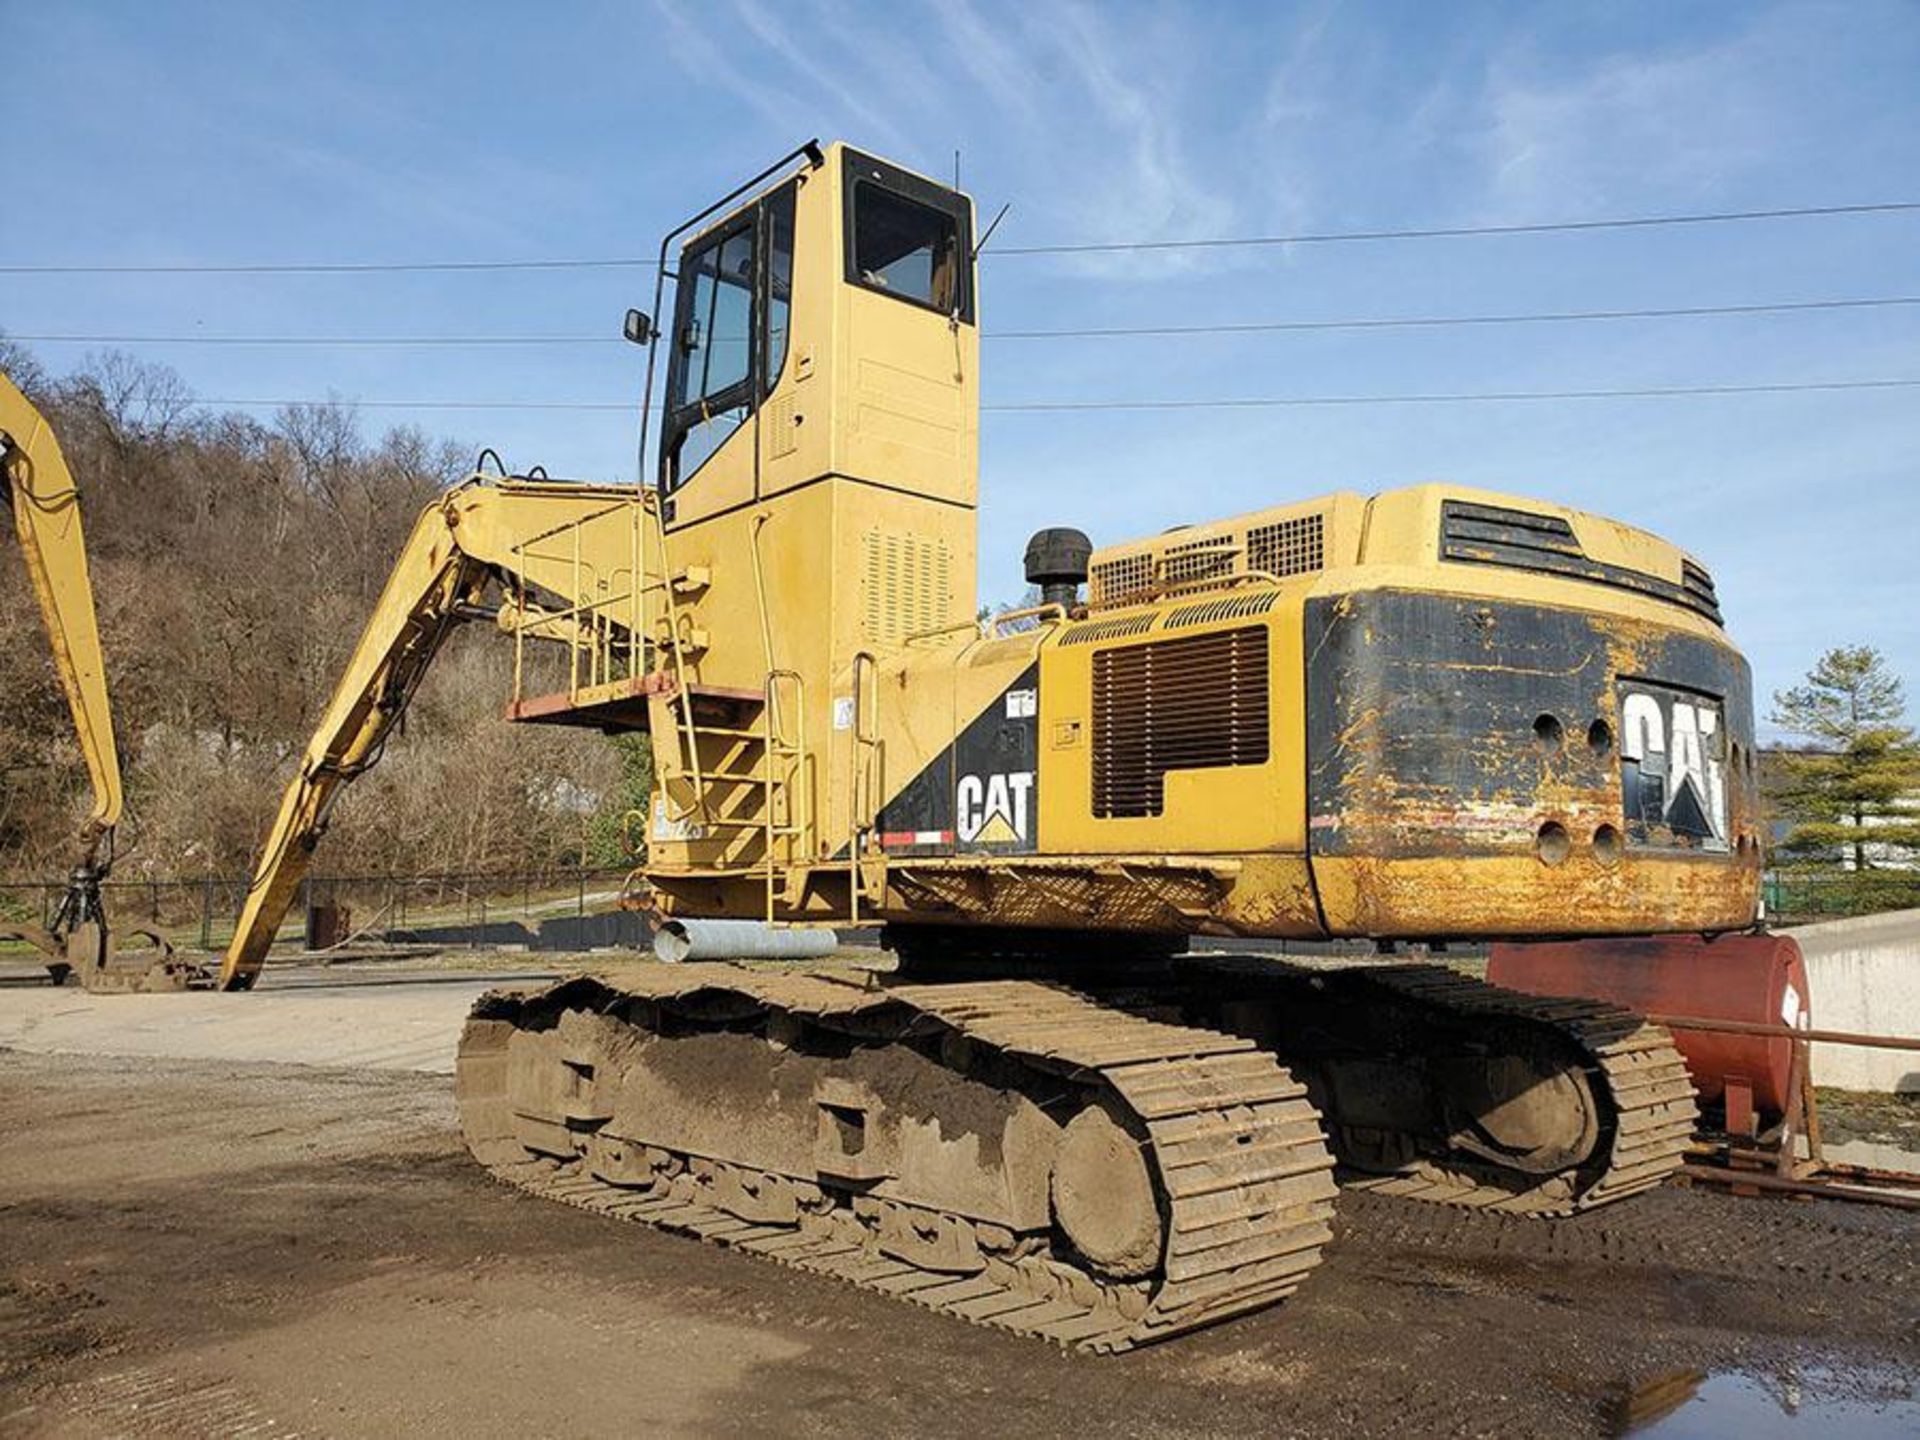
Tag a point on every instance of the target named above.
point(1672, 749)
point(993, 810)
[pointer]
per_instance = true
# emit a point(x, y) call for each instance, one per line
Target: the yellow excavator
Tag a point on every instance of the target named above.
point(37, 488)
point(1435, 714)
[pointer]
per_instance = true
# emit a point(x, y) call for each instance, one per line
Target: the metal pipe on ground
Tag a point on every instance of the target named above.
point(678, 940)
point(1785, 1032)
point(1810, 1186)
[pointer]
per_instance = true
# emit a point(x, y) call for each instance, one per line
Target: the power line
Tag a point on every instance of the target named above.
point(1451, 398)
point(1405, 322)
point(1326, 237)
point(1250, 327)
point(356, 267)
point(1219, 403)
point(1447, 232)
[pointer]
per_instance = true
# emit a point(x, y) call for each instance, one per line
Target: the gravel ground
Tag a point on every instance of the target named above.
point(194, 1247)
point(1877, 1119)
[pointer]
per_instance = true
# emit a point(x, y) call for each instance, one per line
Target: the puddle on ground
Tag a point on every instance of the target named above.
point(1693, 1405)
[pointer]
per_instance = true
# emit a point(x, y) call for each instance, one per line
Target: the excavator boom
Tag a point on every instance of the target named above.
point(481, 533)
point(39, 489)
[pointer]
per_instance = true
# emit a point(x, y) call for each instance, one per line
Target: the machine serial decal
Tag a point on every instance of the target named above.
point(1672, 768)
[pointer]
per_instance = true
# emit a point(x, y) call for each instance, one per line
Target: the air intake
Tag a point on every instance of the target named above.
point(905, 585)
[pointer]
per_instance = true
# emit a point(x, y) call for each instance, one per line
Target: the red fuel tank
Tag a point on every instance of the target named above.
point(1756, 979)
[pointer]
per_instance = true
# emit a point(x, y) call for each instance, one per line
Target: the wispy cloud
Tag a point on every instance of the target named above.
point(1081, 120)
point(835, 78)
point(1688, 123)
point(707, 63)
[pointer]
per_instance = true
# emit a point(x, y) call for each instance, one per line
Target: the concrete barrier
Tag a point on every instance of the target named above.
point(1865, 977)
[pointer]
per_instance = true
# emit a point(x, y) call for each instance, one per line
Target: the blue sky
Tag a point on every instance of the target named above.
point(198, 133)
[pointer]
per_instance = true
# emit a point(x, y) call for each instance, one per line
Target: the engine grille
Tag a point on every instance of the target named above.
point(1279, 546)
point(1546, 545)
point(1197, 560)
point(1195, 703)
point(1093, 631)
point(1231, 607)
point(1121, 578)
point(1288, 547)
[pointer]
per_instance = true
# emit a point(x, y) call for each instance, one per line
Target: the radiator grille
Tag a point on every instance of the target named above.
point(1288, 547)
point(905, 585)
point(1196, 703)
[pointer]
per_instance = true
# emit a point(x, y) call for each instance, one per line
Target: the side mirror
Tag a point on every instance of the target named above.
point(639, 328)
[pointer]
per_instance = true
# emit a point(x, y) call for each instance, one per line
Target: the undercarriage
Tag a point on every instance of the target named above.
point(1097, 1169)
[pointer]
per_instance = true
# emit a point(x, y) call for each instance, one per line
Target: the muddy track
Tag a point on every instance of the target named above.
point(1240, 1173)
point(1633, 1087)
point(1633, 1063)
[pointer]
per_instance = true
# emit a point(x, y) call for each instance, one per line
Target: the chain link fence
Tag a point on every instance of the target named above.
point(1802, 897)
point(474, 909)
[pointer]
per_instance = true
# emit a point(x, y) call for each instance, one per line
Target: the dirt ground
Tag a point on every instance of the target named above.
point(192, 1247)
point(1877, 1119)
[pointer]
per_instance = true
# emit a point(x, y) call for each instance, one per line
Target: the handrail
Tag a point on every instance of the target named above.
point(1159, 591)
point(589, 621)
point(689, 738)
point(860, 788)
point(951, 628)
point(1052, 611)
point(800, 804)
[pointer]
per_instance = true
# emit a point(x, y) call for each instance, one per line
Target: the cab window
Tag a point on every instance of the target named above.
point(906, 249)
point(907, 237)
point(779, 282)
point(730, 324)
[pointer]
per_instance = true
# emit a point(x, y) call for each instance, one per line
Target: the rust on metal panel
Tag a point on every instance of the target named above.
point(1519, 897)
point(1477, 765)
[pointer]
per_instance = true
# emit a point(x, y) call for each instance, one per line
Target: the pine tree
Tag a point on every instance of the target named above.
point(1856, 790)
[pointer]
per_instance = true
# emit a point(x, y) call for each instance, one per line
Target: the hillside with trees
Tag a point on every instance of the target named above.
point(234, 563)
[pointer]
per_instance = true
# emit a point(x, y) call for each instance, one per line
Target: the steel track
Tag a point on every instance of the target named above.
point(1240, 1167)
point(1642, 1083)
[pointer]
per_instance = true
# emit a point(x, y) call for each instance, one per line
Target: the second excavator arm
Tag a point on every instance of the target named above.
point(38, 489)
point(477, 534)
point(37, 486)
